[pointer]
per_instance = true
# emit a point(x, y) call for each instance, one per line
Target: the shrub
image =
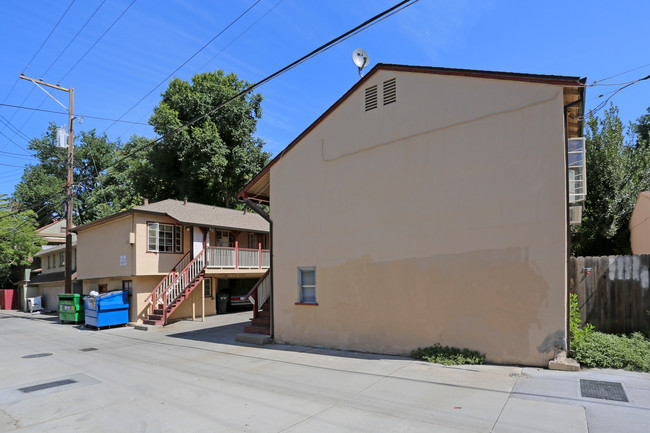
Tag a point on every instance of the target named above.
point(597, 349)
point(448, 355)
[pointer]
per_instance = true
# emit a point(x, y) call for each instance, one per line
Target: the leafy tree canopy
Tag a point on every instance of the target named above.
point(18, 238)
point(211, 160)
point(618, 170)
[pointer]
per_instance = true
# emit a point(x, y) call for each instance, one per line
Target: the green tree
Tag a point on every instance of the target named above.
point(18, 238)
point(42, 187)
point(617, 171)
point(212, 159)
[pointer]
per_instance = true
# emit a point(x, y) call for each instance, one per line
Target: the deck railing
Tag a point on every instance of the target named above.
point(238, 258)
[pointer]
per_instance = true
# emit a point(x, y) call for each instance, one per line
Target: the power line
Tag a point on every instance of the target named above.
point(622, 73)
point(76, 115)
point(97, 41)
point(241, 34)
point(604, 103)
point(8, 138)
point(184, 63)
point(366, 24)
point(57, 57)
point(13, 129)
point(48, 36)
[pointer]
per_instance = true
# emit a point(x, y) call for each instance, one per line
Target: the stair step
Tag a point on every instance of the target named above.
point(159, 311)
point(152, 322)
point(264, 314)
point(257, 330)
point(155, 317)
point(261, 322)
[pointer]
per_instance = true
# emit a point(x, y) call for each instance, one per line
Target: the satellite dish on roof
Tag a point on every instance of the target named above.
point(360, 58)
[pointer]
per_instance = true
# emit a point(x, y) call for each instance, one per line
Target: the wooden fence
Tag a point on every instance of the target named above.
point(613, 291)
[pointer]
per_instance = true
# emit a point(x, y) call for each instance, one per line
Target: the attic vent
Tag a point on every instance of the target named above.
point(371, 98)
point(575, 215)
point(390, 91)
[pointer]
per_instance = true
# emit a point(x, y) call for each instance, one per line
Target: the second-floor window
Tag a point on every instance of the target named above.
point(61, 259)
point(164, 238)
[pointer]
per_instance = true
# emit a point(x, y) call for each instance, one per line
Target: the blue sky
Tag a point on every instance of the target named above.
point(593, 39)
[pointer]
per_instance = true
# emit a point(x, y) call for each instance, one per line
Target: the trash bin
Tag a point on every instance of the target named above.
point(107, 309)
point(71, 307)
point(222, 302)
point(7, 299)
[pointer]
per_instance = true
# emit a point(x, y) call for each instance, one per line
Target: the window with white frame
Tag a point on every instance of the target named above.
point(207, 287)
point(61, 259)
point(307, 284)
point(164, 238)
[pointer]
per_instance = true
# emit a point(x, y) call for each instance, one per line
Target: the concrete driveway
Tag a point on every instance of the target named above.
point(193, 377)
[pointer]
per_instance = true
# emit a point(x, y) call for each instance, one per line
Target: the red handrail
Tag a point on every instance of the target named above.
point(173, 271)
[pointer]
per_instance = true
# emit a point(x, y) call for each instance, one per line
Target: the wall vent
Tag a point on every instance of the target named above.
point(390, 91)
point(371, 98)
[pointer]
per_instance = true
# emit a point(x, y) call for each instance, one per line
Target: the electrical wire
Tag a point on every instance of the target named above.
point(58, 56)
point(8, 138)
point(76, 115)
point(621, 73)
point(13, 129)
point(604, 103)
point(97, 41)
point(48, 36)
point(239, 35)
point(184, 63)
point(366, 24)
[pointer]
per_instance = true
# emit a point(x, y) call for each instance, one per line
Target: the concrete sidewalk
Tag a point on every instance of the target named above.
point(194, 377)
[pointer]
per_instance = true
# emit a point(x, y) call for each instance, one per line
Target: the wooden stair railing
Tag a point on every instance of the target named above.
point(260, 293)
point(168, 292)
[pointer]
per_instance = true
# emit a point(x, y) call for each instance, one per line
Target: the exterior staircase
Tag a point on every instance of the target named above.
point(175, 288)
point(259, 331)
point(262, 323)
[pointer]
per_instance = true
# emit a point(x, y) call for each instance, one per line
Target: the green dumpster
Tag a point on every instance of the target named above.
point(71, 307)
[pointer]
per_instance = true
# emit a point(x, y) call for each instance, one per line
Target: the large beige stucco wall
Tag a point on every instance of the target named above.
point(100, 247)
point(438, 218)
point(640, 225)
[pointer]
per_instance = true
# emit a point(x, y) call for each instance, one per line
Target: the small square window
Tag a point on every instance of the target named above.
point(307, 284)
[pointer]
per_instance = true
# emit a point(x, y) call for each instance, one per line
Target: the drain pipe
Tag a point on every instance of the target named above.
point(267, 217)
point(581, 100)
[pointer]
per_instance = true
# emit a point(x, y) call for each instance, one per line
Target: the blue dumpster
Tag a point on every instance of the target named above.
point(107, 309)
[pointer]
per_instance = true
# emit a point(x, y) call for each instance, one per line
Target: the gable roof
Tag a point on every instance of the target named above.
point(258, 187)
point(195, 214)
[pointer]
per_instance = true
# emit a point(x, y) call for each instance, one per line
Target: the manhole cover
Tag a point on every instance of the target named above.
point(47, 385)
point(37, 355)
point(603, 390)
point(89, 349)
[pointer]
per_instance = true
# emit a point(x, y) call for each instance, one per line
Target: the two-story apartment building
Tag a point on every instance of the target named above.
point(161, 252)
point(50, 281)
point(427, 205)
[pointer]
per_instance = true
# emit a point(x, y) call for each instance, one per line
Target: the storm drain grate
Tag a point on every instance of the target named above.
point(89, 349)
point(37, 355)
point(603, 390)
point(47, 385)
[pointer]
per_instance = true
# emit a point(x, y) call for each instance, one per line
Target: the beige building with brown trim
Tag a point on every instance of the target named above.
point(139, 249)
point(640, 225)
point(427, 205)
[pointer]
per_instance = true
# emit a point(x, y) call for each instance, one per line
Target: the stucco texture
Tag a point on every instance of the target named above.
point(438, 218)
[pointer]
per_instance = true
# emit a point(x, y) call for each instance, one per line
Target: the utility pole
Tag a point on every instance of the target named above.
point(68, 185)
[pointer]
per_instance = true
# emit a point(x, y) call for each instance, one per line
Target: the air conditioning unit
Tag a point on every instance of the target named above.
point(575, 215)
